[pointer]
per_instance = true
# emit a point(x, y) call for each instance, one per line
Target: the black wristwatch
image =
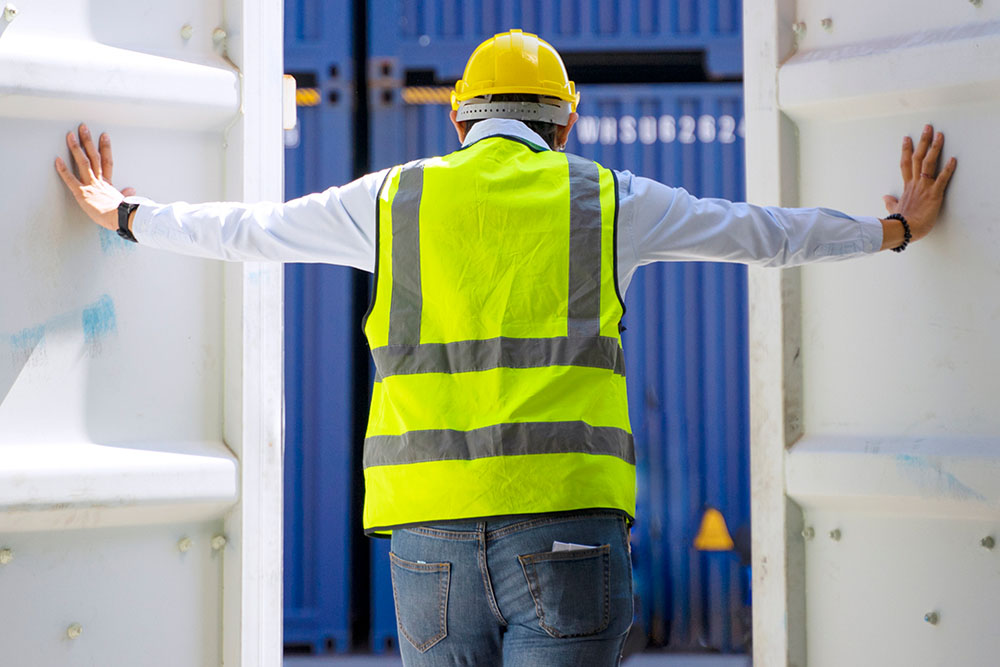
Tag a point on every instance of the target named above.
point(124, 211)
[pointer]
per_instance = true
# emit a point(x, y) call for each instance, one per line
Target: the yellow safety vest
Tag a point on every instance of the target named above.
point(494, 325)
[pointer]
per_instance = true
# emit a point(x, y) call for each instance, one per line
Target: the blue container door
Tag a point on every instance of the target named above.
point(319, 328)
point(686, 357)
point(440, 34)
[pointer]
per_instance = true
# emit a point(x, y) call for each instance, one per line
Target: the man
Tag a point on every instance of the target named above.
point(499, 454)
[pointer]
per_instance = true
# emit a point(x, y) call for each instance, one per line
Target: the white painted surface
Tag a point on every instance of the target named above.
point(140, 393)
point(874, 383)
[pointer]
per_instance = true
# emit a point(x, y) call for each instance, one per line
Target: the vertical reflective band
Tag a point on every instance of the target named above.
point(406, 301)
point(584, 248)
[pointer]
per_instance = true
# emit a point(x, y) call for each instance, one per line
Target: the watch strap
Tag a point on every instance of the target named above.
point(124, 211)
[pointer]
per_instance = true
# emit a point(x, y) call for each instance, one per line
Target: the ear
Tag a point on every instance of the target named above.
point(459, 127)
point(562, 134)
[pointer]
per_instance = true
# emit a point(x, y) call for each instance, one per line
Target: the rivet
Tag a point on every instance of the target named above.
point(6, 555)
point(219, 36)
point(186, 31)
point(827, 24)
point(987, 542)
point(74, 631)
point(799, 29)
point(184, 544)
point(218, 542)
point(808, 533)
point(931, 617)
point(425, 40)
point(835, 534)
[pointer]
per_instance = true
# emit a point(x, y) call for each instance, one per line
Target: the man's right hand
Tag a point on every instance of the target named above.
point(91, 187)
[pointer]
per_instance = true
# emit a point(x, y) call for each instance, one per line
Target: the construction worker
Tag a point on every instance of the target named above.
point(499, 454)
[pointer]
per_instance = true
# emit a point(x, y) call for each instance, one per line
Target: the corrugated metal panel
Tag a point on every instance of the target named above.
point(440, 34)
point(319, 328)
point(686, 349)
point(686, 355)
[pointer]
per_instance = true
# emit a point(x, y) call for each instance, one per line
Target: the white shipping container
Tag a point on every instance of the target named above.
point(140, 392)
point(874, 383)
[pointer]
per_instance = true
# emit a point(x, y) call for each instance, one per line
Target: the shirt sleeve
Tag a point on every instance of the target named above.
point(660, 223)
point(336, 226)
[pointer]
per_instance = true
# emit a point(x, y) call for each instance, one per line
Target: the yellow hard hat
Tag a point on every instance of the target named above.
point(515, 62)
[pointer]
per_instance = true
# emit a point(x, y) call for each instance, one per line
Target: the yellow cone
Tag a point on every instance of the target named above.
point(713, 534)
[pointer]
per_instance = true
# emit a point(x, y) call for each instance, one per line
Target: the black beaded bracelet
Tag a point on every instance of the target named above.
point(907, 235)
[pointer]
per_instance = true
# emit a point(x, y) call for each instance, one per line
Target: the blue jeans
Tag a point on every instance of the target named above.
point(493, 592)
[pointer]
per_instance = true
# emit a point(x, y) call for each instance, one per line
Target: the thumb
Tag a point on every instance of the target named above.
point(128, 192)
point(891, 203)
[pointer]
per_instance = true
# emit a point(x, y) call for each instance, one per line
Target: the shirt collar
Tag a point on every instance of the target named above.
point(490, 127)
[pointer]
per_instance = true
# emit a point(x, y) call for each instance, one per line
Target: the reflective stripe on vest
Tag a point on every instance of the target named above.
point(494, 327)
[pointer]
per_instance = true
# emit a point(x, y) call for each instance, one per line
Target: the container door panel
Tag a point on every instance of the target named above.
point(875, 484)
point(140, 400)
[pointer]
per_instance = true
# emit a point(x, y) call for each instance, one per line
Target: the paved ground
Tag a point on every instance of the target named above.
point(641, 660)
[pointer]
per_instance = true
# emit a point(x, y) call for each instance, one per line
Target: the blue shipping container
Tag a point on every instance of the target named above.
point(319, 325)
point(685, 345)
point(440, 34)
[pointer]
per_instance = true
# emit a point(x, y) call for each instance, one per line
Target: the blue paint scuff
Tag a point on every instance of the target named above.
point(112, 243)
point(99, 319)
point(27, 339)
point(929, 474)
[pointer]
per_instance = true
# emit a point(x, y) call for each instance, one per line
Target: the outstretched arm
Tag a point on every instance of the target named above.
point(661, 223)
point(336, 226)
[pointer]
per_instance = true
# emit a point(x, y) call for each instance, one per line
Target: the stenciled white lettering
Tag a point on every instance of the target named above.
point(665, 129)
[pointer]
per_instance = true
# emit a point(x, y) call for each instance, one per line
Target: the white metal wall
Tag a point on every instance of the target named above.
point(874, 383)
point(140, 413)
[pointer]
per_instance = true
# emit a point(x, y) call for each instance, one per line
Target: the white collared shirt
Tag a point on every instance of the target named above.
point(656, 223)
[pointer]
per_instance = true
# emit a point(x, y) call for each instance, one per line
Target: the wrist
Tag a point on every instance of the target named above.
point(126, 213)
point(896, 233)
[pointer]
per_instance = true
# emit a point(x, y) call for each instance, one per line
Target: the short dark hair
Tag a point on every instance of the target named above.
point(546, 131)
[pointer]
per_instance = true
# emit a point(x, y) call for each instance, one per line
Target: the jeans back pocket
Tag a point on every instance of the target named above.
point(571, 590)
point(420, 591)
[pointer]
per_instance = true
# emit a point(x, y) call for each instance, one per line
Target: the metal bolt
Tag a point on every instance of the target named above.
point(827, 24)
point(218, 542)
point(425, 40)
point(184, 544)
point(987, 542)
point(835, 534)
point(799, 29)
point(9, 12)
point(74, 631)
point(6, 555)
point(931, 617)
point(186, 31)
point(808, 533)
point(219, 36)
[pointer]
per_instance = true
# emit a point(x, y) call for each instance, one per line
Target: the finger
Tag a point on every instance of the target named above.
point(929, 165)
point(80, 159)
point(922, 145)
point(945, 176)
point(67, 176)
point(106, 162)
point(88, 146)
point(891, 203)
point(128, 192)
point(906, 159)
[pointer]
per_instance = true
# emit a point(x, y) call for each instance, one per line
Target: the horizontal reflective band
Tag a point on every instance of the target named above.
point(511, 485)
point(515, 439)
point(466, 356)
